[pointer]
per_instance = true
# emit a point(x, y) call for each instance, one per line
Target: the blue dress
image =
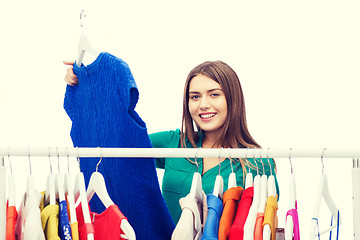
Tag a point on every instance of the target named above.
point(101, 108)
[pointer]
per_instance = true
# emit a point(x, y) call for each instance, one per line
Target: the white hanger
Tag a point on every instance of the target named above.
point(219, 183)
point(263, 190)
point(11, 189)
point(50, 197)
point(323, 192)
point(271, 192)
point(59, 184)
point(289, 226)
point(249, 181)
point(196, 191)
point(30, 184)
point(80, 194)
point(249, 225)
point(84, 44)
point(97, 185)
point(232, 176)
point(69, 192)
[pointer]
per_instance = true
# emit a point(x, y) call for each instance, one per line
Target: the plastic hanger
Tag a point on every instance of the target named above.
point(249, 225)
point(271, 192)
point(289, 225)
point(80, 195)
point(50, 197)
point(97, 185)
point(219, 183)
point(30, 184)
point(69, 192)
point(249, 181)
point(84, 44)
point(11, 189)
point(196, 191)
point(263, 189)
point(323, 192)
point(59, 184)
point(232, 176)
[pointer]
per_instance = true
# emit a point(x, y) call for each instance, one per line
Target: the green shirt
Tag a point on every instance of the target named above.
point(179, 171)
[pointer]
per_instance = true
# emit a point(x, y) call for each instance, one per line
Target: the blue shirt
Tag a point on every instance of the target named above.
point(215, 207)
point(101, 108)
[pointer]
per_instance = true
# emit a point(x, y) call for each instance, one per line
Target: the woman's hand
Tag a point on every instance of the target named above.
point(70, 77)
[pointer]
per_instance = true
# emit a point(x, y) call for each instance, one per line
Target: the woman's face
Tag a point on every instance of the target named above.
point(207, 103)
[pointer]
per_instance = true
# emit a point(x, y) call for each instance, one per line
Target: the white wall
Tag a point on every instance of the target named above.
point(297, 62)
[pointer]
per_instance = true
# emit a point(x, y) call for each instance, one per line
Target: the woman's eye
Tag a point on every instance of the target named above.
point(194, 97)
point(214, 95)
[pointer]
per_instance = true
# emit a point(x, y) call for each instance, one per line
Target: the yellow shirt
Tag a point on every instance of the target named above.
point(270, 215)
point(50, 222)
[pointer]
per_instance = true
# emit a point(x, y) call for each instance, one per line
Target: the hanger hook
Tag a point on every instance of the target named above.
point(78, 156)
point(291, 166)
point(101, 157)
point(68, 158)
point(58, 157)
point(196, 162)
point(322, 159)
point(269, 161)
point(257, 167)
point(82, 13)
point(219, 159)
point(29, 160)
point(8, 152)
point(50, 161)
point(232, 169)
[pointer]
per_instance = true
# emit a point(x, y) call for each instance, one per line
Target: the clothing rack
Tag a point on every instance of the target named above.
point(182, 153)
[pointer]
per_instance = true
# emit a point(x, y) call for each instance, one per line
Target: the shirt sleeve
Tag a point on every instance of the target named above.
point(165, 139)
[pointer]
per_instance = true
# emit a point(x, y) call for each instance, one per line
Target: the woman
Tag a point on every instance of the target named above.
point(213, 117)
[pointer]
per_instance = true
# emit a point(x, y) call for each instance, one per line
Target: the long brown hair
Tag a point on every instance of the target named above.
point(234, 133)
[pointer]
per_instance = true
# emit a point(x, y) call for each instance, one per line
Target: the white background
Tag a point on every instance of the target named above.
point(298, 63)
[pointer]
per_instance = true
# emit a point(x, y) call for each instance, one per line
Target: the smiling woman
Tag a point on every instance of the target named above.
point(213, 99)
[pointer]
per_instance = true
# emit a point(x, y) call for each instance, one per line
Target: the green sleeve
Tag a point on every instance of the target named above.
point(165, 139)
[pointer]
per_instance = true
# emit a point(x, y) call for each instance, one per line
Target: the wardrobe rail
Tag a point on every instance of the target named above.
point(179, 152)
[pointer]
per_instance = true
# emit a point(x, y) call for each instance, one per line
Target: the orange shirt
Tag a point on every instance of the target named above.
point(11, 217)
point(258, 231)
point(230, 202)
point(270, 215)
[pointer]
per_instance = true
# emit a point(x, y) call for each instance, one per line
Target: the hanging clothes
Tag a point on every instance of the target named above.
point(295, 217)
point(215, 206)
point(101, 108)
point(258, 231)
point(64, 224)
point(29, 225)
point(50, 221)
point(106, 225)
point(11, 218)
point(270, 216)
point(193, 217)
point(237, 228)
point(230, 202)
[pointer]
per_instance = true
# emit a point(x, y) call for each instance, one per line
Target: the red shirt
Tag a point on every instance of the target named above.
point(237, 229)
point(106, 225)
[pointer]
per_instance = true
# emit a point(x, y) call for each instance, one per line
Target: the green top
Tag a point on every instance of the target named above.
point(179, 171)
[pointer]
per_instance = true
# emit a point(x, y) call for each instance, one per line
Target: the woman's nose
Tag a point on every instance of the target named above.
point(204, 104)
